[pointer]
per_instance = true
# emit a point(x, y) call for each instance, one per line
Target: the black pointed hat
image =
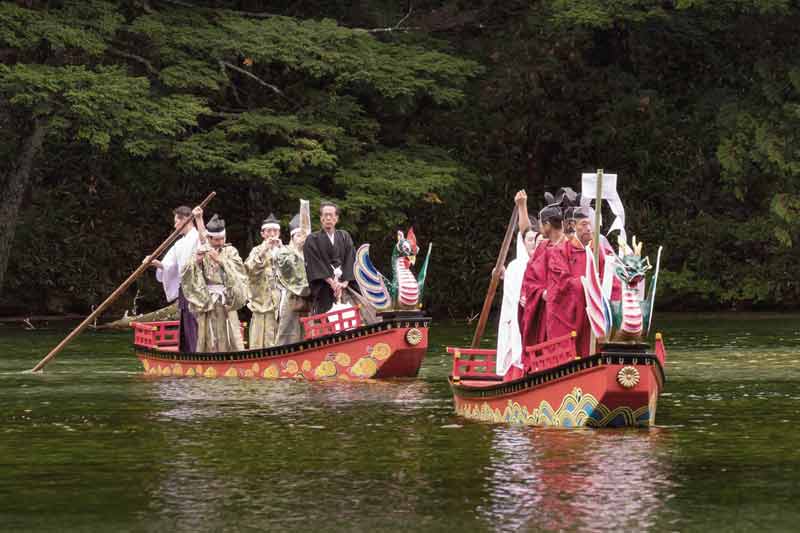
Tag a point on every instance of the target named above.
point(551, 213)
point(216, 226)
point(271, 222)
point(294, 224)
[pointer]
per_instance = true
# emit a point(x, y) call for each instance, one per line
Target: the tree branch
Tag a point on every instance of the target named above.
point(139, 59)
point(390, 29)
point(233, 85)
point(396, 27)
point(273, 88)
point(410, 9)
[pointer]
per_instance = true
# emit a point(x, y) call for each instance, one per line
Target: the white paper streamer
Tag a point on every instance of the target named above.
point(610, 194)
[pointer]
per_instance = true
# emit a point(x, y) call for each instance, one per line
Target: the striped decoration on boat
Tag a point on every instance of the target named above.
point(597, 305)
point(370, 280)
point(408, 293)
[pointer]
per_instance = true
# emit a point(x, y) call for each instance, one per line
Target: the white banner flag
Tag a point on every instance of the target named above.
point(610, 194)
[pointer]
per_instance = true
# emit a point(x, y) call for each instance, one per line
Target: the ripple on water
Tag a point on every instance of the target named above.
point(100, 444)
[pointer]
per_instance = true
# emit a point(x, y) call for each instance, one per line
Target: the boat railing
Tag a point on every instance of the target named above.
point(661, 351)
point(474, 363)
point(331, 322)
point(162, 335)
point(551, 353)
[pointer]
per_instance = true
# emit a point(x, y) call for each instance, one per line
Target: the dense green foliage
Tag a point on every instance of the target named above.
point(436, 122)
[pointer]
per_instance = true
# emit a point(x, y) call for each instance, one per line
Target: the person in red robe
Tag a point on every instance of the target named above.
point(566, 299)
point(533, 302)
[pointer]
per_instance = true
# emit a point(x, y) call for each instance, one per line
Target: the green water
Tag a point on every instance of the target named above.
point(92, 445)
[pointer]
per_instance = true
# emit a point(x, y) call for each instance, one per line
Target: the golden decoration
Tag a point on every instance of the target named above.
point(231, 373)
point(190, 372)
point(342, 359)
point(413, 336)
point(291, 367)
point(326, 369)
point(306, 366)
point(343, 377)
point(146, 365)
point(576, 410)
point(381, 351)
point(271, 372)
point(210, 372)
point(248, 373)
point(255, 368)
point(166, 371)
point(177, 369)
point(364, 367)
point(153, 371)
point(628, 377)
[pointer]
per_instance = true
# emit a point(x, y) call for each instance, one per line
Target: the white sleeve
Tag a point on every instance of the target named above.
point(521, 251)
point(185, 248)
point(169, 274)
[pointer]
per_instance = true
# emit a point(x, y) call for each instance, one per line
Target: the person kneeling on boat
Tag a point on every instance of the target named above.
point(215, 285)
point(291, 269)
point(509, 339)
point(265, 292)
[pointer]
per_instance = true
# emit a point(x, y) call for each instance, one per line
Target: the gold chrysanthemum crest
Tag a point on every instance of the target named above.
point(628, 377)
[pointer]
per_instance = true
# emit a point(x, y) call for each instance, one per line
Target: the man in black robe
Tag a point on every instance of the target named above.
point(329, 255)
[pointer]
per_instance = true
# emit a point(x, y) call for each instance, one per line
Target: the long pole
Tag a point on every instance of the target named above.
point(490, 292)
point(598, 208)
point(114, 295)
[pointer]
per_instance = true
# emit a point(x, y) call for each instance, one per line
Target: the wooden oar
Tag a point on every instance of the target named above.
point(501, 259)
point(114, 295)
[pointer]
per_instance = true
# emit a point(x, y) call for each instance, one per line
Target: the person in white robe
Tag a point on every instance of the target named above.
point(170, 267)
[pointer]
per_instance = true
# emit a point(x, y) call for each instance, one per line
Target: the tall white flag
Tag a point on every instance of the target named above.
point(610, 194)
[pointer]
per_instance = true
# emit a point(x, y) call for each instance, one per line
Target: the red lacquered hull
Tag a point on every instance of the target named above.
point(391, 349)
point(618, 387)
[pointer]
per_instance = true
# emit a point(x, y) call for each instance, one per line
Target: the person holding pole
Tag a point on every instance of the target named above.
point(509, 340)
point(168, 271)
point(534, 302)
point(116, 294)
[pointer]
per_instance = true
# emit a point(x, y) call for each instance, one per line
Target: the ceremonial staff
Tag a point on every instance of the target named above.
point(598, 207)
point(114, 295)
point(501, 259)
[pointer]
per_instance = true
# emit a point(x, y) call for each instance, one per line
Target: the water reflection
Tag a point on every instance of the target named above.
point(96, 446)
point(288, 452)
point(582, 479)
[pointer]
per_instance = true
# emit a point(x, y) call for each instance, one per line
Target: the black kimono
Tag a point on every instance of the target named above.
point(322, 258)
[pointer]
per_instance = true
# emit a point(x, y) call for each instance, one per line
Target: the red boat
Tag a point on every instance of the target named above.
point(616, 387)
point(337, 345)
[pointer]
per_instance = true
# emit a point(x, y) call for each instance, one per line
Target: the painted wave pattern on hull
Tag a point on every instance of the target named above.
point(335, 365)
point(576, 410)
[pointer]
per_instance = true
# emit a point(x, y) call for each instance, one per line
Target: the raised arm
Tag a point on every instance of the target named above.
point(199, 224)
point(521, 200)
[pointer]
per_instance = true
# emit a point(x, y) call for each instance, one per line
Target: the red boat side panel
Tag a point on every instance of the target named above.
point(393, 352)
point(604, 390)
point(583, 401)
